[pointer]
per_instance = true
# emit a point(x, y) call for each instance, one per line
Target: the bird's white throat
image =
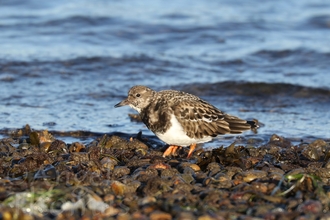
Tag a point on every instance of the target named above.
point(135, 108)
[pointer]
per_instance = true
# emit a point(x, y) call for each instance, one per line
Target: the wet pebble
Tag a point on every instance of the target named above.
point(78, 158)
point(251, 175)
point(169, 173)
point(113, 142)
point(157, 215)
point(118, 188)
point(58, 147)
point(77, 147)
point(46, 172)
point(310, 206)
point(220, 180)
point(213, 168)
point(120, 171)
point(108, 163)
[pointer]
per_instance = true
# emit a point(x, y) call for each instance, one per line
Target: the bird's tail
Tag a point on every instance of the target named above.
point(238, 126)
point(254, 123)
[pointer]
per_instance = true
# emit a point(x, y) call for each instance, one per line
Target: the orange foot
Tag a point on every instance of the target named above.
point(191, 150)
point(172, 149)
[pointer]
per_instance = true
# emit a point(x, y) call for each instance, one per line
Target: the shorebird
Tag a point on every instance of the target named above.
point(182, 119)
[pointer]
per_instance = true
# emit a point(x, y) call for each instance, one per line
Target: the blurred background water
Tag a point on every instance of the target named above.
point(64, 64)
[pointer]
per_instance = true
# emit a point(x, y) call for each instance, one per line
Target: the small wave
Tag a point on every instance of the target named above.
point(318, 22)
point(260, 89)
point(301, 57)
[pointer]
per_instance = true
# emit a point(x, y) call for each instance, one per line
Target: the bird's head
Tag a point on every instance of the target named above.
point(139, 97)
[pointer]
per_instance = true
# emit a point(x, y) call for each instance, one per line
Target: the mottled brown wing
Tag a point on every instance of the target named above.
point(201, 119)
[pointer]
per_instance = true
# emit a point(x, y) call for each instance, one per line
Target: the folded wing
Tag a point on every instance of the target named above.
point(201, 119)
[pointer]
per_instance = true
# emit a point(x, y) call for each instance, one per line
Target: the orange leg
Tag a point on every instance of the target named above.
point(170, 150)
point(192, 148)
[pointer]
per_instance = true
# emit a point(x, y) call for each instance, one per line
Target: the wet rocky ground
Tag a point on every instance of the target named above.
point(116, 177)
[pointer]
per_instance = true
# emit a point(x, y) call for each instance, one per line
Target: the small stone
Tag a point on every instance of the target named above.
point(157, 215)
point(118, 188)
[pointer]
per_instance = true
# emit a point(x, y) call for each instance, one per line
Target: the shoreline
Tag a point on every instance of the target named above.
point(114, 177)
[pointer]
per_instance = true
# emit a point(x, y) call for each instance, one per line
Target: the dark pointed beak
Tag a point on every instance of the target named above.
point(122, 103)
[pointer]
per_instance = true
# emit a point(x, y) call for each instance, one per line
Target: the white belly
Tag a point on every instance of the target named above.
point(175, 135)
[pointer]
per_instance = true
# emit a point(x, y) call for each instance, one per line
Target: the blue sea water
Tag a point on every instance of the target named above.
point(65, 64)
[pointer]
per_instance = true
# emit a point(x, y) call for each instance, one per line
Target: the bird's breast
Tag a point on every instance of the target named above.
point(176, 135)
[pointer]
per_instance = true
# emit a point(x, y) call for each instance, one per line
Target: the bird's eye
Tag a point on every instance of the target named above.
point(138, 95)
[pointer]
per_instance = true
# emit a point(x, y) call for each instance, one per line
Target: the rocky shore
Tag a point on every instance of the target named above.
point(115, 177)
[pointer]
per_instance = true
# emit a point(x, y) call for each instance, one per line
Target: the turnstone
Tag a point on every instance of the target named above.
point(182, 119)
